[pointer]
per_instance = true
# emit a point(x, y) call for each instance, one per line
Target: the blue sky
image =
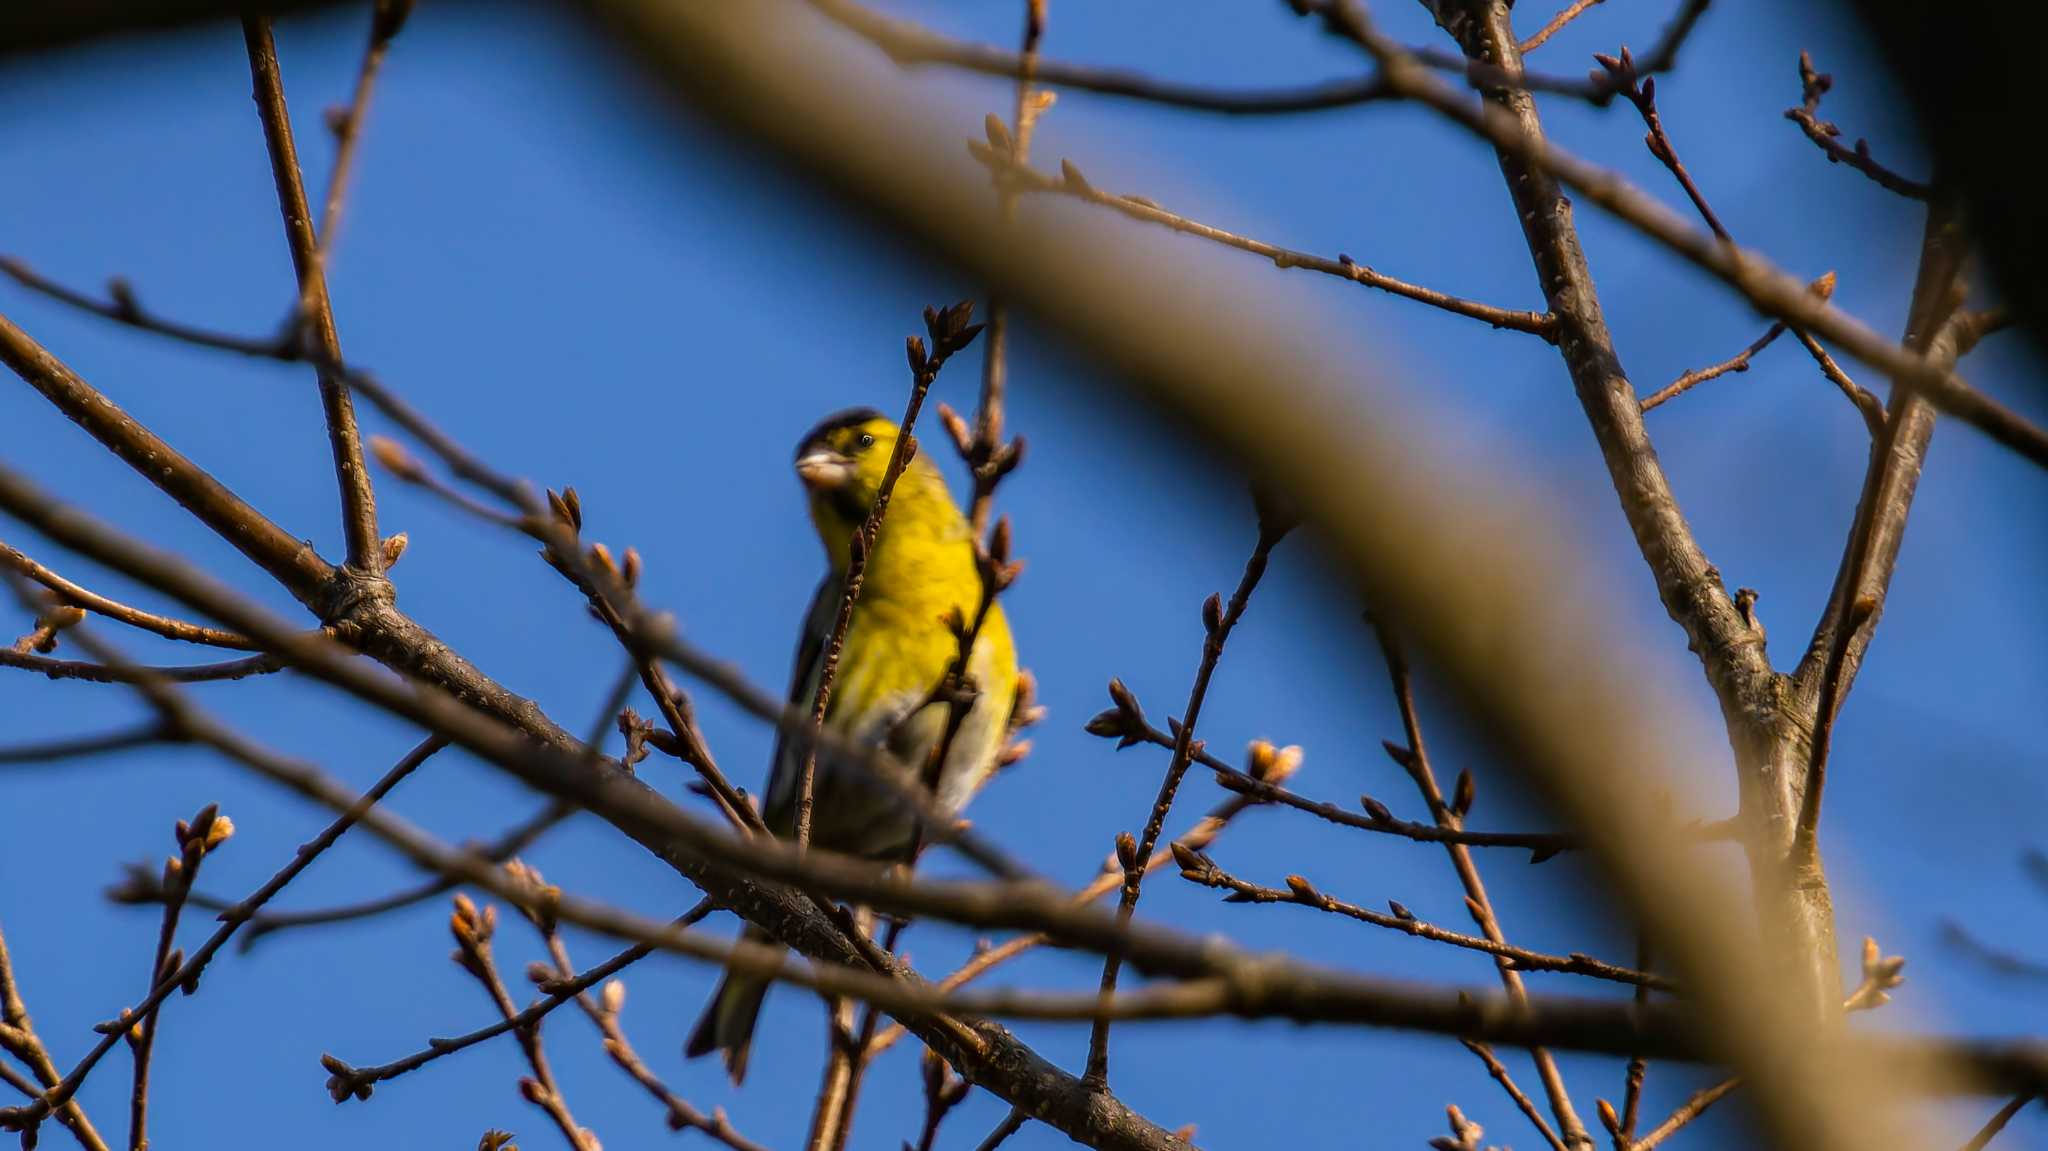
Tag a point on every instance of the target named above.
point(590, 291)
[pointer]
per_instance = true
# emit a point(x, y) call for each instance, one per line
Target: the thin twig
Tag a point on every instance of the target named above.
point(1519, 1097)
point(1867, 404)
point(83, 597)
point(1739, 362)
point(473, 929)
point(74, 747)
point(123, 308)
point(988, 458)
point(1136, 855)
point(1565, 15)
point(101, 673)
point(1812, 86)
point(1200, 869)
point(315, 316)
point(1416, 761)
point(61, 1092)
point(1130, 726)
point(1110, 879)
point(1641, 91)
point(1643, 94)
point(950, 332)
point(1011, 1124)
point(909, 45)
point(1638, 1067)
point(207, 831)
point(386, 18)
point(346, 1080)
point(1071, 183)
point(1770, 289)
point(18, 1038)
point(1686, 1112)
point(604, 1012)
point(142, 886)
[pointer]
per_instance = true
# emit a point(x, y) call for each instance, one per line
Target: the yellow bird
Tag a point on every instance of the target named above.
point(898, 649)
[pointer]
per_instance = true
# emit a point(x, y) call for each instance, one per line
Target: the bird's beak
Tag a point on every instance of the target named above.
point(823, 470)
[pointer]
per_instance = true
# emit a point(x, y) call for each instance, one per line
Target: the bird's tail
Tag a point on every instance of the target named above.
point(727, 1024)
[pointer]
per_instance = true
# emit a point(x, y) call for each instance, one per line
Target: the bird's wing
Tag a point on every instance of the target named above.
point(780, 814)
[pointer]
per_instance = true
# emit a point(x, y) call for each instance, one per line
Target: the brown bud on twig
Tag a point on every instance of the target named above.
point(1127, 851)
point(59, 616)
point(956, 427)
point(1125, 722)
point(392, 547)
point(1008, 457)
point(1304, 890)
point(1075, 182)
point(629, 568)
point(1377, 810)
point(999, 541)
point(401, 463)
point(558, 507)
point(1212, 614)
point(1608, 1118)
point(533, 1091)
point(601, 559)
point(1399, 909)
point(913, 348)
point(613, 997)
point(1462, 795)
point(1026, 710)
point(998, 134)
point(341, 1080)
point(1399, 754)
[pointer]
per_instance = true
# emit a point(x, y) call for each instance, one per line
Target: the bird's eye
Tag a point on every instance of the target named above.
point(866, 440)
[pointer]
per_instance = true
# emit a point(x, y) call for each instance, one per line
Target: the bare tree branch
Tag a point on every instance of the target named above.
point(315, 312)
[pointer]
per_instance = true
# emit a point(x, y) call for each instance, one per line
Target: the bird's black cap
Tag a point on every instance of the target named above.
point(849, 418)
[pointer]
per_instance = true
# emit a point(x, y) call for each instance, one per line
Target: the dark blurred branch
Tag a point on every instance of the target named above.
point(346, 124)
point(73, 747)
